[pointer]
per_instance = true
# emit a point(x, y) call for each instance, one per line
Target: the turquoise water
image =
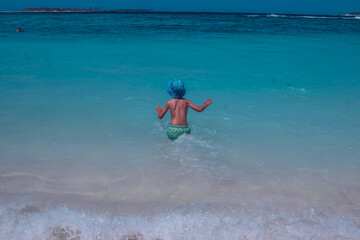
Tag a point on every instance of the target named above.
point(82, 153)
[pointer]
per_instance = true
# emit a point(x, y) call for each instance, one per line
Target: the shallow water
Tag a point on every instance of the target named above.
point(83, 155)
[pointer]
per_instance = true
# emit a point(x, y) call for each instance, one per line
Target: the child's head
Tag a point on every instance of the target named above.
point(176, 89)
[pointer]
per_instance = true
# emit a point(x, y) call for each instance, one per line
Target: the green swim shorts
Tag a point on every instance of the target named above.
point(174, 131)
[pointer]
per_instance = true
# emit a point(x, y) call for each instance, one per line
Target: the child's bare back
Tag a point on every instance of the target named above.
point(178, 109)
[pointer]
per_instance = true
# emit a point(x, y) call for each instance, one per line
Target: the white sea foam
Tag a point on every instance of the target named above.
point(20, 220)
point(317, 17)
point(303, 90)
point(302, 16)
point(275, 15)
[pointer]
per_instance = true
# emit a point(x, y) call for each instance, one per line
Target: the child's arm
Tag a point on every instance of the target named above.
point(161, 112)
point(202, 108)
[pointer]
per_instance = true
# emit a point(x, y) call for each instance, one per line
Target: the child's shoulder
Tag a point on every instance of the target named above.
point(171, 101)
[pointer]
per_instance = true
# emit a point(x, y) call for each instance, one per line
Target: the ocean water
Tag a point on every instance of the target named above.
point(84, 156)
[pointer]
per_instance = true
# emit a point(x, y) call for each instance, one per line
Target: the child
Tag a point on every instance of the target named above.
point(178, 109)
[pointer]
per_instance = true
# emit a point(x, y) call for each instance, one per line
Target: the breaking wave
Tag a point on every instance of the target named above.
point(193, 221)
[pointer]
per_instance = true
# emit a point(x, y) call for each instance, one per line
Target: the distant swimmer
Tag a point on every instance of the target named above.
point(20, 29)
point(178, 109)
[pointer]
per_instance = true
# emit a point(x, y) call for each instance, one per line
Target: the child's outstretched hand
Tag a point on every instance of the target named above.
point(158, 109)
point(208, 102)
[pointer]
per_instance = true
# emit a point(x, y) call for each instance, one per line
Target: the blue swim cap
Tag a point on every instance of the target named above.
point(176, 88)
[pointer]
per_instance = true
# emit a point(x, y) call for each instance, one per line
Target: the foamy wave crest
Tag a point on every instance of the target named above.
point(317, 17)
point(192, 222)
point(302, 16)
point(275, 15)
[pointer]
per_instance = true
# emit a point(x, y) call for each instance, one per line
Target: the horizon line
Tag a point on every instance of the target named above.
point(150, 11)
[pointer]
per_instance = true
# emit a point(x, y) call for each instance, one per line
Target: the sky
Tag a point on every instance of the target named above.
point(248, 6)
